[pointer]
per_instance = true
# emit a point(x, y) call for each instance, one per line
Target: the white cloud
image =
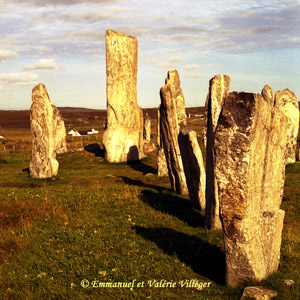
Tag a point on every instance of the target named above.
point(6, 54)
point(132, 30)
point(19, 78)
point(43, 49)
point(61, 2)
point(193, 76)
point(43, 64)
point(192, 67)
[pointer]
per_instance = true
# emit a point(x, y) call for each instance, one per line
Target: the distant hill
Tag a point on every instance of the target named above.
point(78, 109)
point(21, 118)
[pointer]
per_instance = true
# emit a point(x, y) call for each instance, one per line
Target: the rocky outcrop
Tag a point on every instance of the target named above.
point(287, 102)
point(218, 89)
point(172, 119)
point(43, 124)
point(123, 138)
point(249, 166)
point(193, 167)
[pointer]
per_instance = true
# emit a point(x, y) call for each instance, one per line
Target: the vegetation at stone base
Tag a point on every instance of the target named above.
point(111, 223)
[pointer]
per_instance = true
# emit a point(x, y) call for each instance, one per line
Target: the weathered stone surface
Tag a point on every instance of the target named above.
point(60, 131)
point(147, 129)
point(193, 166)
point(289, 282)
point(43, 162)
point(249, 165)
point(162, 168)
point(123, 138)
point(218, 89)
point(171, 121)
point(287, 102)
point(258, 293)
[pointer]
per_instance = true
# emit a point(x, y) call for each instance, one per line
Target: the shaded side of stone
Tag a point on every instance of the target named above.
point(193, 167)
point(169, 127)
point(218, 89)
point(162, 168)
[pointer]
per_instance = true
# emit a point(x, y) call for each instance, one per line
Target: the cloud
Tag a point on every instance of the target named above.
point(42, 48)
point(6, 54)
point(193, 76)
point(132, 30)
point(21, 78)
point(42, 3)
point(192, 67)
point(88, 17)
point(43, 64)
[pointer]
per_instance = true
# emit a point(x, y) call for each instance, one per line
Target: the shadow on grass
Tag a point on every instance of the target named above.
point(95, 149)
point(127, 180)
point(168, 203)
point(175, 206)
point(205, 259)
point(141, 167)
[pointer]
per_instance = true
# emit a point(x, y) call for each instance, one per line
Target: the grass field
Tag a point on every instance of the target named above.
point(99, 223)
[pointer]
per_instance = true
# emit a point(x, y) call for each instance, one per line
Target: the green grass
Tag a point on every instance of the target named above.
point(110, 223)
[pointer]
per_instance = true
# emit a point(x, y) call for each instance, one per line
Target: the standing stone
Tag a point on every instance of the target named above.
point(162, 168)
point(218, 89)
point(123, 138)
point(59, 131)
point(193, 166)
point(249, 164)
point(147, 129)
point(288, 104)
point(43, 163)
point(172, 119)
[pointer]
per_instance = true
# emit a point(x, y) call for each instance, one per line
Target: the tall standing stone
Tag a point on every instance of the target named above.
point(193, 166)
point(288, 104)
point(172, 119)
point(59, 131)
point(147, 128)
point(43, 162)
point(162, 168)
point(249, 164)
point(218, 89)
point(123, 138)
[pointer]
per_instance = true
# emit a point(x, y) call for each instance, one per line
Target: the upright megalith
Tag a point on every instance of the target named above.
point(60, 131)
point(147, 128)
point(193, 166)
point(218, 89)
point(123, 138)
point(162, 168)
point(287, 102)
point(249, 165)
point(46, 135)
point(172, 119)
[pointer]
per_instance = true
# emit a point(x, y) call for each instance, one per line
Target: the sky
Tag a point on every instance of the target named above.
point(62, 44)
